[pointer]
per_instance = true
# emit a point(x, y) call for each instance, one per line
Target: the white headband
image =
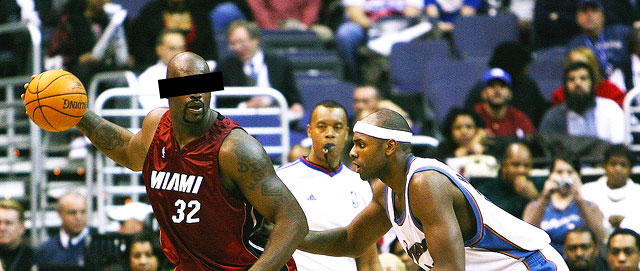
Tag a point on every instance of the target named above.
point(381, 133)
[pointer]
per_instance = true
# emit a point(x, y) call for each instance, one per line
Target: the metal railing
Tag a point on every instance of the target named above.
point(92, 91)
point(38, 178)
point(106, 169)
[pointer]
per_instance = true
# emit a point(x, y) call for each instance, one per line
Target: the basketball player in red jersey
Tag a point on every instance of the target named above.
point(209, 182)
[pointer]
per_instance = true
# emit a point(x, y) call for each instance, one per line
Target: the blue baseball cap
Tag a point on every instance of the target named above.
point(497, 74)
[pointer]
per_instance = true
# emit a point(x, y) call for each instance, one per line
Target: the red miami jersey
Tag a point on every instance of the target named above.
point(202, 226)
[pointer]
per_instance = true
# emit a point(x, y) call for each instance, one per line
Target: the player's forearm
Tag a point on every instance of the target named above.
point(330, 242)
point(110, 139)
point(369, 260)
point(283, 240)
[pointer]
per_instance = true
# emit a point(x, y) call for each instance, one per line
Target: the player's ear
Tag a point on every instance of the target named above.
point(390, 146)
point(309, 130)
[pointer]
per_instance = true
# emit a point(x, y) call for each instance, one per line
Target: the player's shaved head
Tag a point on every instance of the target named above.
point(389, 119)
point(185, 64)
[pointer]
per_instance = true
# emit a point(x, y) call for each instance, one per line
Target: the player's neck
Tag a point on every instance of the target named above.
point(187, 132)
point(396, 174)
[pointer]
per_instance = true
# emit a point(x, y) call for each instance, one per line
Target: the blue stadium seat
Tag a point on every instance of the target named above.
point(132, 7)
point(315, 59)
point(476, 36)
point(284, 40)
point(553, 52)
point(548, 86)
point(257, 121)
point(315, 91)
point(222, 45)
point(314, 75)
point(408, 62)
point(447, 84)
point(548, 74)
point(547, 69)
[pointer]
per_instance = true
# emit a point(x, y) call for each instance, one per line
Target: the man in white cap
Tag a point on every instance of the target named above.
point(441, 221)
point(131, 216)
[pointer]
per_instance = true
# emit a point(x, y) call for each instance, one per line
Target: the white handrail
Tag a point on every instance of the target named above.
point(38, 178)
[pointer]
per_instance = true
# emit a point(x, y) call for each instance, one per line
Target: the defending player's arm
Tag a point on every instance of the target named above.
point(244, 161)
point(369, 260)
point(118, 143)
point(354, 239)
point(432, 202)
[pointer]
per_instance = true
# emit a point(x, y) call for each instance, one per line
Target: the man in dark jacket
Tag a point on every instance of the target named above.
point(250, 66)
point(15, 255)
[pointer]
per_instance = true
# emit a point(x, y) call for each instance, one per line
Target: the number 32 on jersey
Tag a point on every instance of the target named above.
point(192, 207)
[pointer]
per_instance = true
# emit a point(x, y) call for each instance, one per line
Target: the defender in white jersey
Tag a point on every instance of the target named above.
point(440, 219)
point(330, 193)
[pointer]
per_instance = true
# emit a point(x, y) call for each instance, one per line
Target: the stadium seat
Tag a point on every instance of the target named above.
point(547, 72)
point(553, 52)
point(447, 84)
point(315, 91)
point(222, 45)
point(408, 62)
point(309, 75)
point(287, 40)
point(547, 69)
point(547, 86)
point(315, 60)
point(476, 36)
point(132, 7)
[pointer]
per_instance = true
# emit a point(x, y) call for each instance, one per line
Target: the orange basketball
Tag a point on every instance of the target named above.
point(55, 100)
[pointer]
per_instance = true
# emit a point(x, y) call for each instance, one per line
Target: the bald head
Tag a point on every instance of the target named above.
point(515, 149)
point(72, 209)
point(389, 119)
point(185, 64)
point(365, 98)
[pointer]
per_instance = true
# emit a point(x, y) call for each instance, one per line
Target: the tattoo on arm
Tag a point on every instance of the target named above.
point(107, 137)
point(255, 162)
point(251, 162)
point(102, 133)
point(88, 123)
point(271, 189)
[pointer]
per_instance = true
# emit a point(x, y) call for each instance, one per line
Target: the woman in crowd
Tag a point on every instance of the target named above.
point(466, 146)
point(144, 253)
point(560, 207)
point(464, 134)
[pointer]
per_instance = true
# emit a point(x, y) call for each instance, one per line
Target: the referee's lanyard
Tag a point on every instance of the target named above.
point(600, 53)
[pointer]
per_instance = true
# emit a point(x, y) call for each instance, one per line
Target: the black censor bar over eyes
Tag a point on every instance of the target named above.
point(199, 83)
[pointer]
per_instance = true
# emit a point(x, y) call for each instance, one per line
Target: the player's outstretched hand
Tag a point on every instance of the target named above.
point(27, 85)
point(25, 88)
